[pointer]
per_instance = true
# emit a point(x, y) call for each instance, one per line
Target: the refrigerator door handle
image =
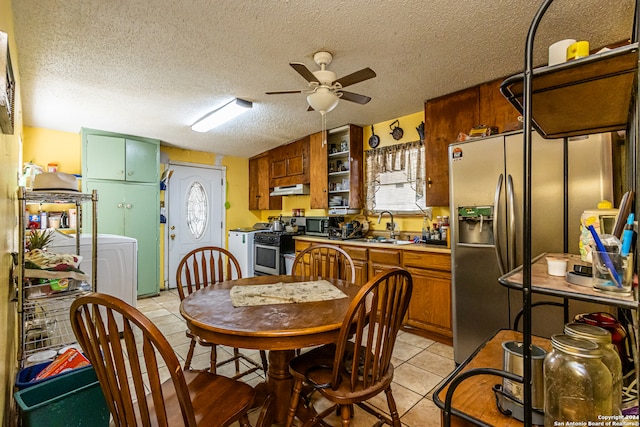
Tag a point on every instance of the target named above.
point(496, 235)
point(512, 224)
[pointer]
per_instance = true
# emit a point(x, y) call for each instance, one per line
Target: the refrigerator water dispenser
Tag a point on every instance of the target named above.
point(475, 225)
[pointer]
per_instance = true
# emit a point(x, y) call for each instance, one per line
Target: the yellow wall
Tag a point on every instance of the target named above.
point(10, 153)
point(408, 124)
point(53, 146)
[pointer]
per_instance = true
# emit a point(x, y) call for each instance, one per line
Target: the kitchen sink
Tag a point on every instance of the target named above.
point(383, 240)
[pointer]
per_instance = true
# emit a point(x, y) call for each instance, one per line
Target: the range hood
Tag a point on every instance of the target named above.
point(290, 190)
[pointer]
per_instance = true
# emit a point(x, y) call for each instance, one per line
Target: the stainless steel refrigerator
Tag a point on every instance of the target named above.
point(486, 185)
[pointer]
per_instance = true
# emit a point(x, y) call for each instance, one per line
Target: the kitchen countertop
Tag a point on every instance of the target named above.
point(420, 247)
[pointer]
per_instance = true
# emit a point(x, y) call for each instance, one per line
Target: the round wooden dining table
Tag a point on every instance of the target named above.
point(278, 328)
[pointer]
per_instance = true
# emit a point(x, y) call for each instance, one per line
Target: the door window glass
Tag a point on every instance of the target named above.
point(197, 210)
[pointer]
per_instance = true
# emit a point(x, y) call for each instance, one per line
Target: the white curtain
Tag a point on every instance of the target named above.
point(395, 178)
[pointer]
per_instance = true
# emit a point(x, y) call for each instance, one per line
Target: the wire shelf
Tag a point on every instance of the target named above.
point(47, 323)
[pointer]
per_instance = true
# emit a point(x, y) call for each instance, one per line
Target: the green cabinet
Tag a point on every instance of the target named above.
point(120, 159)
point(132, 210)
point(125, 171)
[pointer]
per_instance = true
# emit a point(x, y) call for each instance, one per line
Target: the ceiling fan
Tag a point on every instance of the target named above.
point(324, 89)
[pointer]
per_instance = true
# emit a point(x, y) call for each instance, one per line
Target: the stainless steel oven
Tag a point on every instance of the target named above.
point(268, 260)
point(270, 248)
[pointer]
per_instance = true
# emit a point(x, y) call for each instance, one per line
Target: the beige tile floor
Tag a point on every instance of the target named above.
point(420, 365)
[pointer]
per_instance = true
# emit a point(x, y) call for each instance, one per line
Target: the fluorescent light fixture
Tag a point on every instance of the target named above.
point(223, 114)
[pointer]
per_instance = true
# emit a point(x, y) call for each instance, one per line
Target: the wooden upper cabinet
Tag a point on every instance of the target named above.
point(444, 118)
point(259, 185)
point(495, 110)
point(290, 163)
point(319, 198)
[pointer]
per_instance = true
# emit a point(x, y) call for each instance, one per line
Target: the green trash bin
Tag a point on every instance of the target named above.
point(74, 399)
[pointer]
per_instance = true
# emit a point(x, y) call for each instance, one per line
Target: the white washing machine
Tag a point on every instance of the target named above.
point(117, 272)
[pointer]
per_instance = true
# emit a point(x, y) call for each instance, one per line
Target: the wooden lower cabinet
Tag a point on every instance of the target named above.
point(359, 256)
point(430, 305)
point(383, 259)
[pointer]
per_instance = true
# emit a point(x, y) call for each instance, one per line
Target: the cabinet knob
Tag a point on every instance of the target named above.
point(120, 205)
point(120, 172)
point(173, 236)
point(130, 173)
point(173, 227)
point(128, 205)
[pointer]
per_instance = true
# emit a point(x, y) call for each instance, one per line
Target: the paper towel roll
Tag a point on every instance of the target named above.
point(558, 51)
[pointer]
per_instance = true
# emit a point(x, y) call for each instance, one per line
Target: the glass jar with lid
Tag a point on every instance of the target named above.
point(610, 356)
point(577, 384)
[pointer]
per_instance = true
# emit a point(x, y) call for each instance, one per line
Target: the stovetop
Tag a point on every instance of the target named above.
point(280, 233)
point(281, 239)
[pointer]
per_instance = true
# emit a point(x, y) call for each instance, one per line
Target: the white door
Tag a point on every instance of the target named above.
point(196, 197)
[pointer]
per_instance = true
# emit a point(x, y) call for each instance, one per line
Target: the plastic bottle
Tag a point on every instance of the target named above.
point(43, 220)
point(425, 229)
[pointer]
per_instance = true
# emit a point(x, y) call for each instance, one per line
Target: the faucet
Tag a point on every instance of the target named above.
point(391, 233)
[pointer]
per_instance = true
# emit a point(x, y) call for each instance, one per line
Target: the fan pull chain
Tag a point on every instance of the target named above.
point(324, 128)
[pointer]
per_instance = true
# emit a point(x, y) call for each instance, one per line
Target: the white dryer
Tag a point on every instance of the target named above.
point(117, 272)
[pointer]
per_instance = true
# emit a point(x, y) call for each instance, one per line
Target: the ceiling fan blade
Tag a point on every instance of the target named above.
point(357, 77)
point(304, 72)
point(283, 91)
point(354, 97)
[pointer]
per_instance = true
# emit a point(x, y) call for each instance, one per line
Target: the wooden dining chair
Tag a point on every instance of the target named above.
point(353, 370)
point(203, 267)
point(129, 366)
point(324, 260)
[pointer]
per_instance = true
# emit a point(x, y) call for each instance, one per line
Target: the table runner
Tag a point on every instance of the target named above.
point(284, 293)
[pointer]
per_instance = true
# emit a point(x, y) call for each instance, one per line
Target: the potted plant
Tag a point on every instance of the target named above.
point(38, 239)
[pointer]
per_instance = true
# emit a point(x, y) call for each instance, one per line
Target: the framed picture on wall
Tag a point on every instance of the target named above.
point(7, 87)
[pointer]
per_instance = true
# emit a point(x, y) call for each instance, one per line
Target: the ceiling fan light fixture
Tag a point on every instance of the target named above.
point(231, 109)
point(323, 100)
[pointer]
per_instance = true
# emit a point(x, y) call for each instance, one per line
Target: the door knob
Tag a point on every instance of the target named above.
point(173, 227)
point(173, 236)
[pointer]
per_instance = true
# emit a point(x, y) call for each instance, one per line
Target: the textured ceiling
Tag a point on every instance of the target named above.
point(152, 67)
